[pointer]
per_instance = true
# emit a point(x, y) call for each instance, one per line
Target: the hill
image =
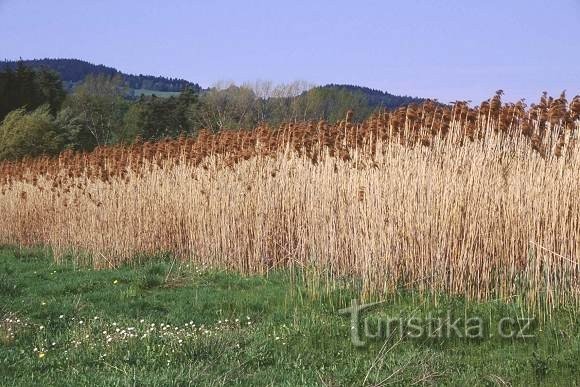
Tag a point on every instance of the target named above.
point(377, 98)
point(73, 71)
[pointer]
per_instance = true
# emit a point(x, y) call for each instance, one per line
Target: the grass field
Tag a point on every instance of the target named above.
point(169, 323)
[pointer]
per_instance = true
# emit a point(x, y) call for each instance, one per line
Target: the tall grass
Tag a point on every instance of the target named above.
point(496, 216)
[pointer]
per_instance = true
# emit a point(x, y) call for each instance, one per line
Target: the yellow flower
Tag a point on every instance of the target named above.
point(41, 355)
point(115, 281)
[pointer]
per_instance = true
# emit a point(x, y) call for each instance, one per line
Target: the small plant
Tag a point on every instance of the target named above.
point(540, 365)
point(8, 287)
point(154, 276)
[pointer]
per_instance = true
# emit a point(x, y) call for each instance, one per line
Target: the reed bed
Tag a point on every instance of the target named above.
point(481, 202)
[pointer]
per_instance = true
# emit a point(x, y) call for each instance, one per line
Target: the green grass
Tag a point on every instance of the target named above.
point(59, 327)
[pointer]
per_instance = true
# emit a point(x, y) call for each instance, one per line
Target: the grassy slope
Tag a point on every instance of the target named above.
point(283, 336)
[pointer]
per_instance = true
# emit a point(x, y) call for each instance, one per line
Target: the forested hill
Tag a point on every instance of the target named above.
point(73, 71)
point(376, 98)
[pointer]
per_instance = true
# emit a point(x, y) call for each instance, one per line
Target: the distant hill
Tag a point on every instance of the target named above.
point(73, 71)
point(377, 98)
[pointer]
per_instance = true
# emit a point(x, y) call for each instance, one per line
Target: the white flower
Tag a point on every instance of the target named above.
point(61, 316)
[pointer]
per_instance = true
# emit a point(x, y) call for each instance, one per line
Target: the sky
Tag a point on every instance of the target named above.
point(447, 50)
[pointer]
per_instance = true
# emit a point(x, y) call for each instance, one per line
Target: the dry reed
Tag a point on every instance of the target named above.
point(477, 202)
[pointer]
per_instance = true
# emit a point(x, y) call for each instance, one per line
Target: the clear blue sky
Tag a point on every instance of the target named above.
point(447, 49)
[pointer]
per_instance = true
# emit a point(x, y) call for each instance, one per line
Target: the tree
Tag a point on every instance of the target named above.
point(72, 128)
point(228, 107)
point(331, 104)
point(99, 103)
point(132, 123)
point(74, 71)
point(51, 90)
point(288, 105)
point(32, 134)
point(153, 118)
point(25, 88)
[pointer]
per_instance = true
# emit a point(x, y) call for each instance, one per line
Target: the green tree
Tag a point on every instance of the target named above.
point(228, 107)
point(153, 118)
point(51, 90)
point(331, 104)
point(100, 105)
point(29, 89)
point(132, 123)
point(32, 134)
point(72, 128)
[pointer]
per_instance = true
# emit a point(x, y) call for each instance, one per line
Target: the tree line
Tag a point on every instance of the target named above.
point(38, 117)
point(74, 71)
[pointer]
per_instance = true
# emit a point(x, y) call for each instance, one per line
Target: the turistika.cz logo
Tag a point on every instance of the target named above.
point(429, 327)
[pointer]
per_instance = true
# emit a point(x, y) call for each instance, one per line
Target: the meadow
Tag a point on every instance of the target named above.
point(436, 207)
point(167, 322)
